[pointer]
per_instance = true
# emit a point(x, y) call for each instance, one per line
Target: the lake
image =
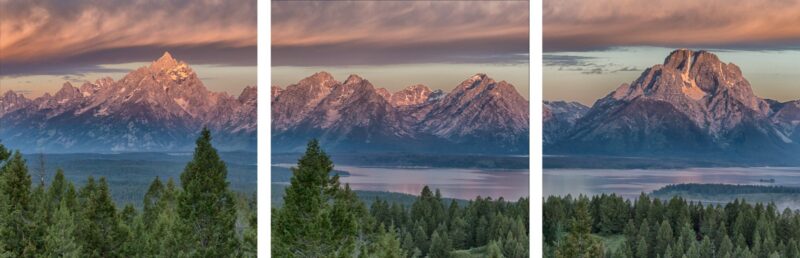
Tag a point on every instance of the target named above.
point(631, 182)
point(459, 183)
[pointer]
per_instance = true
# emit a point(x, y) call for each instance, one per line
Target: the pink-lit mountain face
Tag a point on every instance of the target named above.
point(479, 116)
point(691, 105)
point(160, 107)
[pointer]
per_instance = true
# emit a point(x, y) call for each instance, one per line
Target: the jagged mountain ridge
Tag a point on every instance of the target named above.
point(558, 117)
point(479, 116)
point(691, 105)
point(159, 107)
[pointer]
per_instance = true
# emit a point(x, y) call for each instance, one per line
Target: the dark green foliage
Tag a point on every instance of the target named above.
point(387, 244)
point(430, 226)
point(714, 189)
point(60, 221)
point(440, 244)
point(60, 238)
point(318, 218)
point(579, 242)
point(206, 208)
point(17, 223)
point(675, 228)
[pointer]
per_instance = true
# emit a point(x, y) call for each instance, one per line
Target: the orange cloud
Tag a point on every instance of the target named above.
point(585, 25)
point(31, 31)
point(316, 23)
point(370, 30)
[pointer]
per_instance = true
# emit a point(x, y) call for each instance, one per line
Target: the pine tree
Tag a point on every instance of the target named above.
point(206, 209)
point(408, 242)
point(725, 247)
point(308, 225)
point(60, 240)
point(151, 207)
point(41, 216)
point(250, 244)
point(664, 237)
point(641, 247)
point(693, 251)
point(493, 250)
point(99, 228)
point(792, 250)
point(387, 244)
point(57, 189)
point(17, 183)
point(458, 233)
point(515, 247)
point(579, 242)
point(4, 154)
point(421, 238)
point(706, 248)
point(17, 228)
point(440, 244)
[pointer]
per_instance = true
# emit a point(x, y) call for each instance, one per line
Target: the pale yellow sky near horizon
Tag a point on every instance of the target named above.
point(230, 79)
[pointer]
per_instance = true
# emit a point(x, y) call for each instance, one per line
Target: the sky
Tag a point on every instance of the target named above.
point(401, 43)
point(591, 47)
point(48, 42)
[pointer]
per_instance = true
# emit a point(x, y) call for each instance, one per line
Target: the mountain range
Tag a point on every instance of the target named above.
point(693, 105)
point(480, 115)
point(160, 107)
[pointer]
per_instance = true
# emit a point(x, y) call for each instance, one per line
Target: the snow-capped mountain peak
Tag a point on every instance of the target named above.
point(691, 103)
point(479, 115)
point(157, 107)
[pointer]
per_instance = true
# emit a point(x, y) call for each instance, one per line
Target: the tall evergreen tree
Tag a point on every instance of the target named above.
point(493, 250)
point(308, 225)
point(440, 244)
point(664, 238)
point(206, 208)
point(387, 244)
point(100, 229)
point(60, 240)
point(579, 243)
point(151, 203)
point(250, 244)
point(17, 228)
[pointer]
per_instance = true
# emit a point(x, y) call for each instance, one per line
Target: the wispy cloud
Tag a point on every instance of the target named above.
point(579, 25)
point(307, 33)
point(584, 64)
point(59, 33)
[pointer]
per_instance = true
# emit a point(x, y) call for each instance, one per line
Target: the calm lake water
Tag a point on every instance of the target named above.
point(452, 182)
point(630, 183)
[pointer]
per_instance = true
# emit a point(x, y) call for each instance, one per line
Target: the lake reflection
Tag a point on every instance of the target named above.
point(452, 182)
point(630, 183)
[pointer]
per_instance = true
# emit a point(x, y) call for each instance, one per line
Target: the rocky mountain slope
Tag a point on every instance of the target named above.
point(558, 117)
point(692, 104)
point(479, 116)
point(160, 107)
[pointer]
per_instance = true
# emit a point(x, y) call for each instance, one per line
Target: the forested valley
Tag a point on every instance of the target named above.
point(200, 217)
point(611, 226)
point(322, 218)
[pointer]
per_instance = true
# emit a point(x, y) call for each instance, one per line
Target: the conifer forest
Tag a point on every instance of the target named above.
point(197, 216)
point(321, 217)
point(611, 226)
